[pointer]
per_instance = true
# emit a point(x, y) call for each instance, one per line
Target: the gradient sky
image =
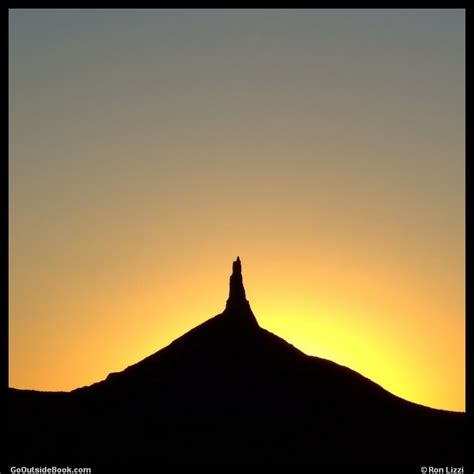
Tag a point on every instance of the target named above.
point(148, 148)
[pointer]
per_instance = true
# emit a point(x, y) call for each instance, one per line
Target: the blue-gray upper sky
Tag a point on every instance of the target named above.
point(329, 141)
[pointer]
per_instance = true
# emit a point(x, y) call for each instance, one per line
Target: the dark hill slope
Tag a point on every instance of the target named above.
point(229, 391)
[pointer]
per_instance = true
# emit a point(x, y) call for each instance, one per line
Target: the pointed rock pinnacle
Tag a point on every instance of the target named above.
point(236, 287)
point(237, 304)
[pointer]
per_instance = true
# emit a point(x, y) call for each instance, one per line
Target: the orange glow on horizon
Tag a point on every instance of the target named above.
point(360, 330)
point(147, 149)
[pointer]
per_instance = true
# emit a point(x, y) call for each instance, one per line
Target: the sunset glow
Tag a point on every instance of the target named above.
point(149, 148)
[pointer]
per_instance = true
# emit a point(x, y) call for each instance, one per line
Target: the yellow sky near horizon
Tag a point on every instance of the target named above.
point(149, 148)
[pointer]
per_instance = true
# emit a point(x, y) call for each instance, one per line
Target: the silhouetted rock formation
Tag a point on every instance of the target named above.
point(230, 392)
point(236, 285)
point(237, 305)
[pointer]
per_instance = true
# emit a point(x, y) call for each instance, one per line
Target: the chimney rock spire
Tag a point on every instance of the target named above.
point(236, 286)
point(237, 305)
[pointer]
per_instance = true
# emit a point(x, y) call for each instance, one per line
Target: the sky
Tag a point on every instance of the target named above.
point(149, 148)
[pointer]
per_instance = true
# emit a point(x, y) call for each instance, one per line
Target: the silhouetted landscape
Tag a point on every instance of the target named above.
point(229, 391)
